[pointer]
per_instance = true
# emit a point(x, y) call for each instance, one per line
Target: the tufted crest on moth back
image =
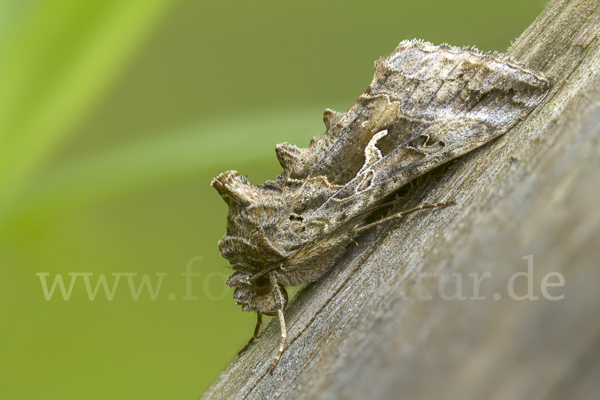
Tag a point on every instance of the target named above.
point(291, 158)
point(331, 118)
point(236, 190)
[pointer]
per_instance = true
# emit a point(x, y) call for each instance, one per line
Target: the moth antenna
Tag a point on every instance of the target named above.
point(270, 268)
point(280, 301)
point(281, 343)
point(235, 189)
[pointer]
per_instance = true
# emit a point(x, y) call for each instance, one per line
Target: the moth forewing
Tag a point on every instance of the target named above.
point(425, 106)
point(445, 102)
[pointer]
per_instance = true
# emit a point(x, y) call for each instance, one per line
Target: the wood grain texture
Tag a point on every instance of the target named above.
point(363, 331)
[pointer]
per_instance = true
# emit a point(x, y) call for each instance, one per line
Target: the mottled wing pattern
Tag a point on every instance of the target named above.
point(433, 103)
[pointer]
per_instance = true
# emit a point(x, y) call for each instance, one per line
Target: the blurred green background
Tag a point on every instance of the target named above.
point(114, 117)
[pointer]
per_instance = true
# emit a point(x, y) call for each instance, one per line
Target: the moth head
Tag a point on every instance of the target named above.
point(256, 294)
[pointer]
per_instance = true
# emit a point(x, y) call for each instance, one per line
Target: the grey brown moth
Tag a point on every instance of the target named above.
point(425, 106)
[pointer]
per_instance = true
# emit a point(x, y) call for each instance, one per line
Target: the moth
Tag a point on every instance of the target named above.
point(426, 105)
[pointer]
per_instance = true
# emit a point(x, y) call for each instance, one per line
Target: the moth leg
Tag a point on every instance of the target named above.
point(258, 323)
point(280, 301)
point(402, 214)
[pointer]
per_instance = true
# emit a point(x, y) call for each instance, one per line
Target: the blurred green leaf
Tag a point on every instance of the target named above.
point(55, 63)
point(206, 148)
